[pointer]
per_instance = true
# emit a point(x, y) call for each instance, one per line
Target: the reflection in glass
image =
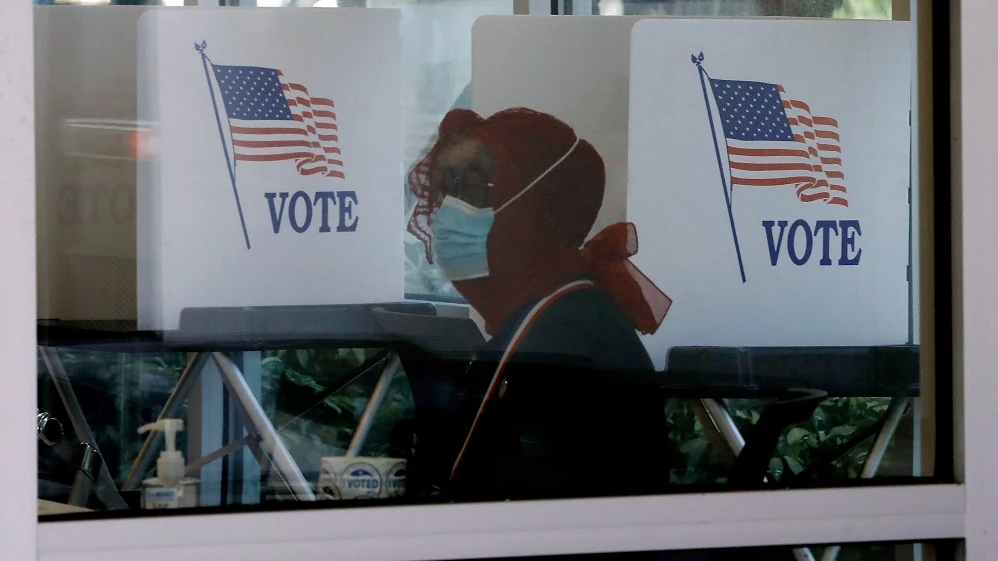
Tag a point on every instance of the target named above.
point(346, 417)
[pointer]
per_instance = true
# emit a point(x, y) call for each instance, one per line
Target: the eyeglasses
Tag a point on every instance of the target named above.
point(471, 185)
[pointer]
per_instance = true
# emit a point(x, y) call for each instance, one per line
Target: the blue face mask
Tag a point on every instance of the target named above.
point(460, 233)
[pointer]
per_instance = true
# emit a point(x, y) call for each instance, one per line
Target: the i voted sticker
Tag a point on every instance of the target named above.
point(346, 478)
point(395, 480)
point(360, 480)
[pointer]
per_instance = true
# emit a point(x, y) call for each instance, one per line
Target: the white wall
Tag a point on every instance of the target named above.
point(18, 508)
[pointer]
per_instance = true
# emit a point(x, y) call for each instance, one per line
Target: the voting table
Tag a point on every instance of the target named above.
point(794, 379)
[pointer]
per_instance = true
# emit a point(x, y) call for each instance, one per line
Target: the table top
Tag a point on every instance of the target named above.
point(275, 327)
point(706, 371)
point(49, 508)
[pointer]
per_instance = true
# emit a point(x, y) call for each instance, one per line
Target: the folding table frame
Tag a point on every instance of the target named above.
point(262, 438)
point(868, 372)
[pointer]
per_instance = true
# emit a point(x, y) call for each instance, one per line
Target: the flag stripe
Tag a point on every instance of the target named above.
point(779, 181)
point(770, 167)
point(815, 197)
point(765, 153)
point(272, 143)
point(273, 156)
point(267, 130)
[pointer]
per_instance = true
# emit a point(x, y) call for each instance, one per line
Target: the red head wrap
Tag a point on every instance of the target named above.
point(537, 243)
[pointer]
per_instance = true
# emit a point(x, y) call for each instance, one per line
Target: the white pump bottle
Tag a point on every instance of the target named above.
point(170, 488)
point(170, 466)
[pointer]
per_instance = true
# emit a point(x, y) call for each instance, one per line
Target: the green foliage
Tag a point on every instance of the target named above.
point(863, 9)
point(314, 427)
point(833, 424)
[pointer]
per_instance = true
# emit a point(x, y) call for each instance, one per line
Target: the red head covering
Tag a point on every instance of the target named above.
point(536, 244)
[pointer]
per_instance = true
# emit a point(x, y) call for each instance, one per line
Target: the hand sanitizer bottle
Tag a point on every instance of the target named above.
point(170, 488)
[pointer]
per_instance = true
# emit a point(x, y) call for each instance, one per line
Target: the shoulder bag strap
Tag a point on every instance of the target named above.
point(518, 336)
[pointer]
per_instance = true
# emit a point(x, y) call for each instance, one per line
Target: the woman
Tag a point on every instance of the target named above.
point(563, 399)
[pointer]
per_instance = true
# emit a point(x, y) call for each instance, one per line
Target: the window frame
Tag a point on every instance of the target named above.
point(686, 521)
point(18, 511)
point(833, 515)
point(974, 46)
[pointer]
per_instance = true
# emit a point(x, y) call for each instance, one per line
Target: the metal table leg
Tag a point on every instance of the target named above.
point(103, 484)
point(876, 456)
point(726, 426)
point(262, 426)
point(87, 474)
point(251, 441)
point(712, 433)
point(388, 373)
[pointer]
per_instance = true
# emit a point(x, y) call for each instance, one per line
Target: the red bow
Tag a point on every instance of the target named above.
point(608, 255)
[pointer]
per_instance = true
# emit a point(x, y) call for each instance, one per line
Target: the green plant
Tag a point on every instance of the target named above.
point(833, 424)
point(315, 425)
point(863, 9)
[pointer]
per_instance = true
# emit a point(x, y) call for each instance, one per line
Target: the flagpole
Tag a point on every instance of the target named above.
point(698, 61)
point(221, 135)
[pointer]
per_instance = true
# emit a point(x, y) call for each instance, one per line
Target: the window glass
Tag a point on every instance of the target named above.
point(408, 399)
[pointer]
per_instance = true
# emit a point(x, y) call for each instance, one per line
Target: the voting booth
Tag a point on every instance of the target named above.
point(277, 177)
point(768, 176)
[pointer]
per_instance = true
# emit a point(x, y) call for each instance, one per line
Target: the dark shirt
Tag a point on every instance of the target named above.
point(580, 413)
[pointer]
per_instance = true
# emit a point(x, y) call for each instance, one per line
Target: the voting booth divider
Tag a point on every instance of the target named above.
point(764, 164)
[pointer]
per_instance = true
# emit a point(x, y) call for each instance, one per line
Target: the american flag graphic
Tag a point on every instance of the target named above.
point(773, 140)
point(272, 119)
